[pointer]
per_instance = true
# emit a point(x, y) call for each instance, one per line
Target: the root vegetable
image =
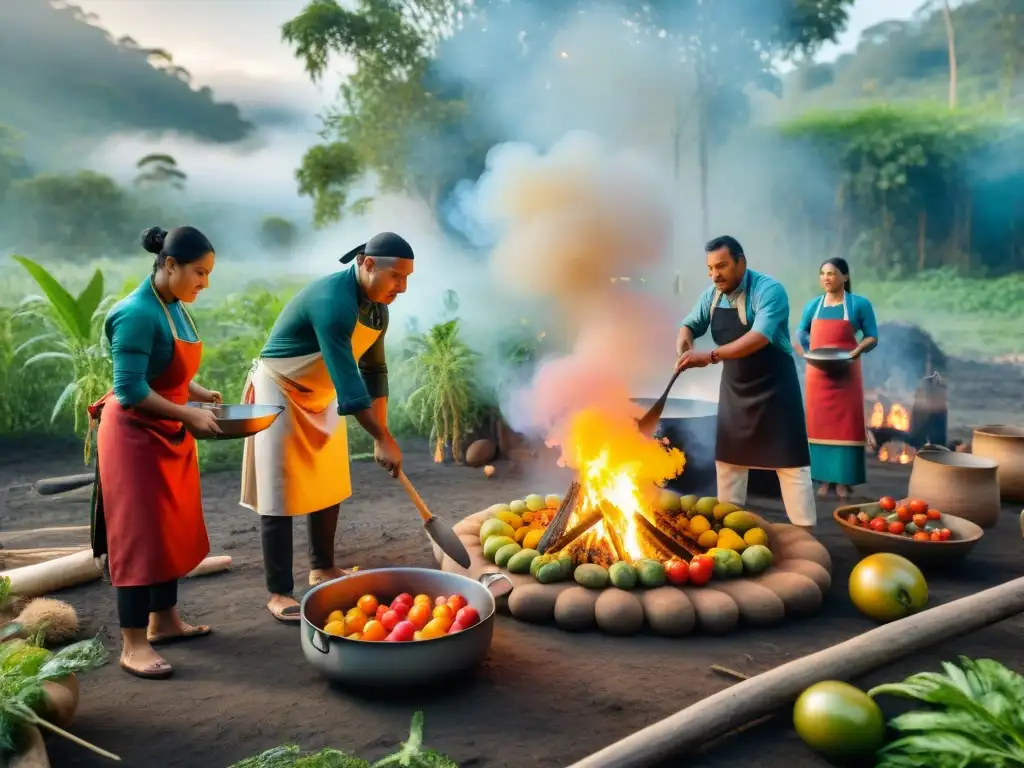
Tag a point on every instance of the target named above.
point(34, 755)
point(58, 620)
point(61, 701)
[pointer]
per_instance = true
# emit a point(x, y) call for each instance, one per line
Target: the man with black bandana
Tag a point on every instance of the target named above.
point(324, 360)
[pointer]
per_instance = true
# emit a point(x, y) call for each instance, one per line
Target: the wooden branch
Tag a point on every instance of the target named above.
point(5, 535)
point(588, 521)
point(560, 521)
point(16, 558)
point(751, 699)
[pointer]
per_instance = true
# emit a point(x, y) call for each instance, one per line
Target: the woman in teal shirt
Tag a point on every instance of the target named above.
point(835, 402)
point(147, 515)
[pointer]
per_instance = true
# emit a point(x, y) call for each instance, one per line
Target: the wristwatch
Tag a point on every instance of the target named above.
point(714, 356)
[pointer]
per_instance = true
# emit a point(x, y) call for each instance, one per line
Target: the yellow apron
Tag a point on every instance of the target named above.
point(300, 464)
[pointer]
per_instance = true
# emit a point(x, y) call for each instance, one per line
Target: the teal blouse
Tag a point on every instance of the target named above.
point(858, 310)
point(322, 318)
point(141, 343)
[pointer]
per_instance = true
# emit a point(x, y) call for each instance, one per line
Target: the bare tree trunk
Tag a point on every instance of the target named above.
point(947, 17)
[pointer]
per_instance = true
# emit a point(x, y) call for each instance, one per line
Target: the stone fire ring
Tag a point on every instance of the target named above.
point(794, 586)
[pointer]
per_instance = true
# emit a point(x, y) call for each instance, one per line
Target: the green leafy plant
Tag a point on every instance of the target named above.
point(73, 333)
point(24, 668)
point(411, 755)
point(445, 398)
point(976, 718)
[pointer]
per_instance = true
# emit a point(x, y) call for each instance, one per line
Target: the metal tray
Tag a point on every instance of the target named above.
point(829, 359)
point(241, 421)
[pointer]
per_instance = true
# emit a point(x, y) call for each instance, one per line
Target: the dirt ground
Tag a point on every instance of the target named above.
point(544, 697)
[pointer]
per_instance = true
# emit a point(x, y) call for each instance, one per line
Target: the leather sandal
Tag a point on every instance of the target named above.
point(159, 670)
point(189, 634)
point(291, 614)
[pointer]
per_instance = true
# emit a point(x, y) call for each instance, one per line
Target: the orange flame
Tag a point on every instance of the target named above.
point(620, 469)
point(898, 417)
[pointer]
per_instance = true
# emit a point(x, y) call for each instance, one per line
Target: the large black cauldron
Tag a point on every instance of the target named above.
point(690, 426)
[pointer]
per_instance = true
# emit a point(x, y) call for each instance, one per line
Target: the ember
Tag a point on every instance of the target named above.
point(620, 471)
point(896, 452)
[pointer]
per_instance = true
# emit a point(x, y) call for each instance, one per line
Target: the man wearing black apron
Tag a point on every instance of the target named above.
point(760, 407)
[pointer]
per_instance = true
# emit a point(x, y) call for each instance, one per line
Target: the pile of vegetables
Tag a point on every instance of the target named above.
point(411, 755)
point(25, 668)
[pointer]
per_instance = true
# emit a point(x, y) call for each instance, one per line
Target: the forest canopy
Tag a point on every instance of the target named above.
point(62, 75)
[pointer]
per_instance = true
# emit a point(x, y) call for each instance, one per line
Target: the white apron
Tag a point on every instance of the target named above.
point(300, 464)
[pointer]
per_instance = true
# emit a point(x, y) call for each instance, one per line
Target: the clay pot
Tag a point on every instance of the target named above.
point(959, 484)
point(1004, 445)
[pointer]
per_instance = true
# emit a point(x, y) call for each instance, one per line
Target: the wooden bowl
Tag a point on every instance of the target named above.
point(965, 535)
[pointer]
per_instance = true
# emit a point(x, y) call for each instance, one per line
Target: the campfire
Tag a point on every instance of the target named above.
point(608, 514)
point(896, 432)
point(895, 415)
point(889, 431)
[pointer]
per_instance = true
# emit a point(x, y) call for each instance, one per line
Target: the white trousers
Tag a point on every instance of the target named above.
point(796, 485)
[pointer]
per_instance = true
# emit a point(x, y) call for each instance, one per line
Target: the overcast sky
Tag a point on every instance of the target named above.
point(235, 45)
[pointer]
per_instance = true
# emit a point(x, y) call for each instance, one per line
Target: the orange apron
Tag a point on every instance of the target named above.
point(147, 507)
point(300, 464)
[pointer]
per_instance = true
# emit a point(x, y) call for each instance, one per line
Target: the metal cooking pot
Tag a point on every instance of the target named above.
point(690, 426)
point(394, 665)
point(240, 421)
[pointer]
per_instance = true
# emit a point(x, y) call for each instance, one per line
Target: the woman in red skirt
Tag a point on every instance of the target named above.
point(147, 515)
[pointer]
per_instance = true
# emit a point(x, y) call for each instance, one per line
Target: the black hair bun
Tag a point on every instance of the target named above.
point(153, 239)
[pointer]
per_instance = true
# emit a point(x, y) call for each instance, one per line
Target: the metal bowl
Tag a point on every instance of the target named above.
point(239, 421)
point(397, 665)
point(829, 359)
point(965, 535)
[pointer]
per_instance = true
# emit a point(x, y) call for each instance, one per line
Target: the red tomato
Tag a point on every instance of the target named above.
point(936, 536)
point(402, 633)
point(896, 528)
point(390, 620)
point(456, 627)
point(852, 520)
point(878, 524)
point(933, 514)
point(457, 603)
point(678, 572)
point(920, 520)
point(921, 536)
point(863, 518)
point(918, 507)
point(887, 503)
point(467, 616)
point(405, 597)
point(946, 533)
point(904, 514)
point(402, 609)
point(381, 610)
point(700, 571)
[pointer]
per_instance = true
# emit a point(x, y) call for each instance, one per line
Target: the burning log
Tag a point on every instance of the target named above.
point(592, 547)
point(566, 510)
point(669, 540)
point(588, 521)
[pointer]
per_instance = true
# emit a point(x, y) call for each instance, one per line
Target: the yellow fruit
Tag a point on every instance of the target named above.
point(535, 503)
point(435, 628)
point(721, 510)
point(528, 516)
point(423, 599)
point(699, 525)
point(532, 538)
point(511, 518)
point(553, 500)
point(336, 628)
point(336, 616)
point(417, 635)
point(355, 620)
point(755, 536)
point(708, 539)
point(355, 636)
point(729, 539)
point(521, 534)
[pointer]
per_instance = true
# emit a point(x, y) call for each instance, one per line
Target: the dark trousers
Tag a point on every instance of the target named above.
point(134, 604)
point(276, 535)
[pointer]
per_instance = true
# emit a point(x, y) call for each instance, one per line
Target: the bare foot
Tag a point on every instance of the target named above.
point(142, 661)
point(284, 608)
point(823, 490)
point(844, 491)
point(321, 575)
point(167, 626)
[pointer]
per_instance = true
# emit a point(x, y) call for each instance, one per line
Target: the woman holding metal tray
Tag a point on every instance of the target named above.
point(147, 515)
point(835, 396)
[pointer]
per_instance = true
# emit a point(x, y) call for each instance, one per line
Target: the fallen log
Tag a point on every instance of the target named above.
point(760, 695)
point(7, 535)
point(51, 486)
point(18, 558)
point(81, 568)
